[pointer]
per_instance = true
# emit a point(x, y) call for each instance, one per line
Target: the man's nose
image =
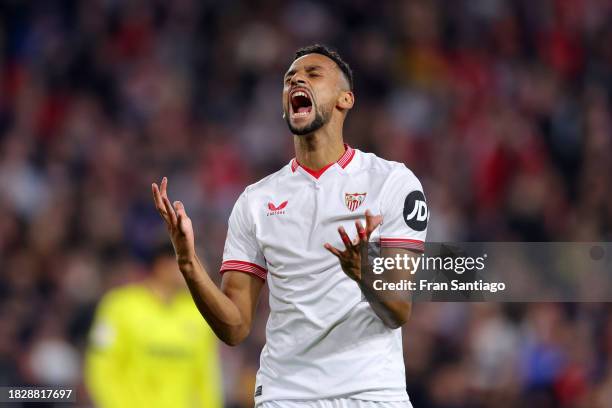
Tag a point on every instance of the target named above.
point(297, 80)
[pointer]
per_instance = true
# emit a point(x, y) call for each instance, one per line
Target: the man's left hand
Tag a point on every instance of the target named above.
point(350, 258)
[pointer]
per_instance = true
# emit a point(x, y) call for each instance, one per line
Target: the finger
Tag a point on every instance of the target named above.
point(356, 240)
point(164, 187)
point(361, 232)
point(170, 211)
point(156, 195)
point(180, 209)
point(345, 238)
point(333, 250)
point(181, 214)
point(372, 222)
point(159, 203)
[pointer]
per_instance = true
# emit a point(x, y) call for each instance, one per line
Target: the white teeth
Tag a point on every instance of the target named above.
point(300, 93)
point(300, 114)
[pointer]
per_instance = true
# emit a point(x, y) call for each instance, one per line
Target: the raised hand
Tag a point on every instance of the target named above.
point(350, 258)
point(178, 223)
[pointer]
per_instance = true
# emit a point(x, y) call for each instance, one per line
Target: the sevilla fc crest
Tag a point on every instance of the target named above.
point(354, 200)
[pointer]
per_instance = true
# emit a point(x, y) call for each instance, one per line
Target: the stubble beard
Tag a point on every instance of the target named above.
point(322, 117)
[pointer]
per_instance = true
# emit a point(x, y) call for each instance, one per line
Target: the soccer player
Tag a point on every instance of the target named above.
point(331, 340)
point(149, 346)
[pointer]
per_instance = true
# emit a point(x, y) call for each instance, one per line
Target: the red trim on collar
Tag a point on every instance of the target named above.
point(316, 173)
point(343, 161)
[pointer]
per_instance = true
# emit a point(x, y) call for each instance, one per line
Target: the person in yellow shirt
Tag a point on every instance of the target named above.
point(149, 346)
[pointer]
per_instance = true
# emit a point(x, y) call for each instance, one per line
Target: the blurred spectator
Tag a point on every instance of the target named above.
point(149, 346)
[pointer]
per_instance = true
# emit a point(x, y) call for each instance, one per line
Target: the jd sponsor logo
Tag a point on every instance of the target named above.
point(415, 211)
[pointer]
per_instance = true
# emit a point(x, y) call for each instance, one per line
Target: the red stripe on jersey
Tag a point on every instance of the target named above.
point(242, 266)
point(405, 243)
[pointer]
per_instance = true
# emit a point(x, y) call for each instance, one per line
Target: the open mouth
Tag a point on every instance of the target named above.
point(301, 104)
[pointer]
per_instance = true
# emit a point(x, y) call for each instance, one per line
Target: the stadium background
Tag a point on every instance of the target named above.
point(502, 109)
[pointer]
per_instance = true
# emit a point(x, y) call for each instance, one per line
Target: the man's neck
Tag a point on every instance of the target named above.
point(317, 150)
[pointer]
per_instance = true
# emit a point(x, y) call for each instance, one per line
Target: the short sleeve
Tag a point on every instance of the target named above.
point(405, 213)
point(241, 252)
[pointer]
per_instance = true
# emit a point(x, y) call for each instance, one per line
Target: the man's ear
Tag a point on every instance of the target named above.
point(346, 100)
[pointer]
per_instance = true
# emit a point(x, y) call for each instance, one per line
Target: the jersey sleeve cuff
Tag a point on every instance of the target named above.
point(242, 266)
point(405, 243)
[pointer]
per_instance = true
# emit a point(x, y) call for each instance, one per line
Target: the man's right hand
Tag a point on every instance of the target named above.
point(178, 223)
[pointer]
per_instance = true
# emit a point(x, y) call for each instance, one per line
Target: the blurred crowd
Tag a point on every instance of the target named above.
point(501, 108)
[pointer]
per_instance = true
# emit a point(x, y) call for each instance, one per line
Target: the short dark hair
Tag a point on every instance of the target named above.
point(331, 54)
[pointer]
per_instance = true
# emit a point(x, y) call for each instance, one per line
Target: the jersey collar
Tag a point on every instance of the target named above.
point(343, 161)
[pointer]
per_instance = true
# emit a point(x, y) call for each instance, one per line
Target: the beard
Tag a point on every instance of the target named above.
point(321, 118)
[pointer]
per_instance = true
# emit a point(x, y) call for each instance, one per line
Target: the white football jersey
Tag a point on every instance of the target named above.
point(323, 339)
